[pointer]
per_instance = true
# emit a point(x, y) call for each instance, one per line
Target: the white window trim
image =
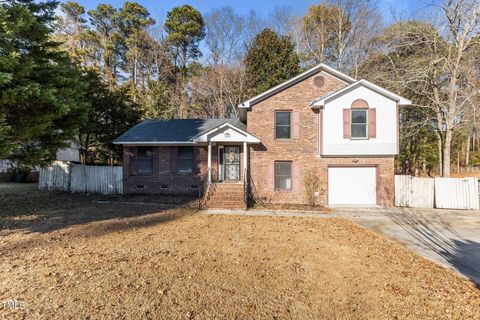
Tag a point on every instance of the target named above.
point(366, 125)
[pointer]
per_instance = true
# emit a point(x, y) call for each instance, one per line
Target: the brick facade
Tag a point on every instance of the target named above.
point(164, 179)
point(303, 151)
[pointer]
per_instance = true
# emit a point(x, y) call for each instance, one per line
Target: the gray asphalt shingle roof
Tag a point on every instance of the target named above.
point(181, 130)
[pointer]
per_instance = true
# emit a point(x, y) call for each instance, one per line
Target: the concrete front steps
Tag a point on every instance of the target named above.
point(225, 195)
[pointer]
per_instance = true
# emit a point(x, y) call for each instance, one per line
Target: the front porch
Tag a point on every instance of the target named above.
point(227, 162)
point(226, 180)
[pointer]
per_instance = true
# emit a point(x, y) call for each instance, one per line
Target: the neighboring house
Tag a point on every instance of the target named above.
point(320, 122)
point(71, 153)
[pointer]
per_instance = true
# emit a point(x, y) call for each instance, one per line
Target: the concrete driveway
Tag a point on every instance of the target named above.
point(449, 237)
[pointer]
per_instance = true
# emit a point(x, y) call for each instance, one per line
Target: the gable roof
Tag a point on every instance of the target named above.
point(246, 137)
point(320, 102)
point(282, 86)
point(173, 131)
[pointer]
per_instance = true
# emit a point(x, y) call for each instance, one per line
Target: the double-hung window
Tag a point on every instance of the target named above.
point(359, 124)
point(144, 159)
point(283, 124)
point(283, 175)
point(185, 159)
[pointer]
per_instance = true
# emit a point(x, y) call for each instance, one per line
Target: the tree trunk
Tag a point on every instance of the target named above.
point(458, 161)
point(446, 153)
point(440, 153)
point(474, 138)
point(467, 151)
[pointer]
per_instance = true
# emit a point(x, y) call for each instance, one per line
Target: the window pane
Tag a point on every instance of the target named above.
point(283, 175)
point(144, 159)
point(144, 152)
point(185, 152)
point(282, 118)
point(359, 130)
point(144, 165)
point(359, 116)
point(282, 132)
point(283, 168)
point(185, 165)
point(283, 183)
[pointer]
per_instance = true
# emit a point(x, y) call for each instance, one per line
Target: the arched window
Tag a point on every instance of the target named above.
point(359, 104)
point(359, 119)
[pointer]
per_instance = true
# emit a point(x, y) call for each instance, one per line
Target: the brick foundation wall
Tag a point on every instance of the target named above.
point(162, 179)
point(304, 150)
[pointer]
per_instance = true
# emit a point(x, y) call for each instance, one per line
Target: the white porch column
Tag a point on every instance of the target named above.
point(209, 177)
point(245, 159)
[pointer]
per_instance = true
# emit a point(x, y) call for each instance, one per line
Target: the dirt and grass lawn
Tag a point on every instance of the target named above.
point(89, 257)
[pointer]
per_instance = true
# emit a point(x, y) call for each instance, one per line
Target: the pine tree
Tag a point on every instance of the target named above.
point(270, 60)
point(41, 92)
point(111, 114)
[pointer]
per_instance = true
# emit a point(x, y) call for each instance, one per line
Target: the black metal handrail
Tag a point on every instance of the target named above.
point(253, 194)
point(204, 190)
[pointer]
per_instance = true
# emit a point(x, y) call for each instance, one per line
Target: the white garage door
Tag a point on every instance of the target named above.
point(352, 186)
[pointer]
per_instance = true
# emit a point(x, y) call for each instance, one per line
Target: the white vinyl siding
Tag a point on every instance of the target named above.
point(385, 142)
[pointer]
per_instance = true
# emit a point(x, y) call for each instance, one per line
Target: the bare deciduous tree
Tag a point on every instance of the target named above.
point(462, 18)
point(224, 35)
point(435, 64)
point(338, 32)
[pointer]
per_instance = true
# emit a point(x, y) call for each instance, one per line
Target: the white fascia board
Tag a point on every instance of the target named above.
point(340, 75)
point(367, 84)
point(248, 137)
point(223, 125)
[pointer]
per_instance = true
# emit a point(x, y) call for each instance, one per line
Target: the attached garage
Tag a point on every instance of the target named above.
point(352, 186)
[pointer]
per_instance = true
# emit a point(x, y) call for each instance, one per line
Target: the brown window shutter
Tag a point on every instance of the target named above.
point(296, 124)
point(346, 124)
point(173, 159)
point(372, 123)
point(271, 176)
point(296, 178)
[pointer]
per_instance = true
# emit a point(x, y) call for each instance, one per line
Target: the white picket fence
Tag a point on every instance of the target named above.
point(446, 193)
point(81, 178)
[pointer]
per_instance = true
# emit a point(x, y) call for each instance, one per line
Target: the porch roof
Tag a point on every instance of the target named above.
point(175, 131)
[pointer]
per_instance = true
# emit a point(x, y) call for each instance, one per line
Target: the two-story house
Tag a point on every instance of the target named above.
point(321, 122)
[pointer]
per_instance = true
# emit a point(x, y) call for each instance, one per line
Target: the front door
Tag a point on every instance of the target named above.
point(232, 163)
